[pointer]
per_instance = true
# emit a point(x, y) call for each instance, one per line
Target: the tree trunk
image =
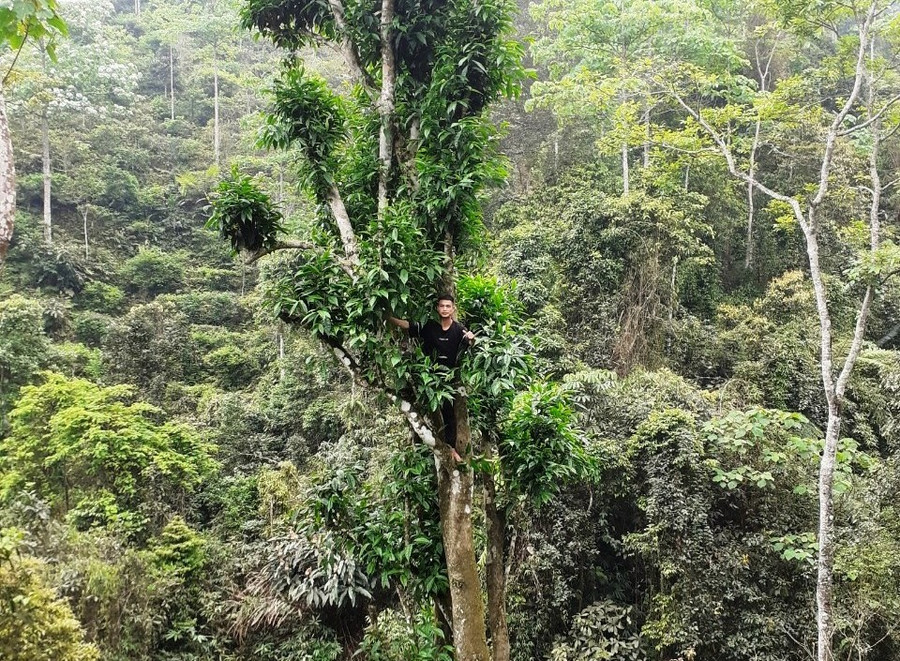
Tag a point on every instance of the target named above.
point(171, 83)
point(386, 104)
point(748, 253)
point(45, 161)
point(84, 216)
point(625, 174)
point(7, 183)
point(216, 147)
point(647, 137)
point(495, 522)
point(825, 561)
point(443, 614)
point(281, 370)
point(455, 487)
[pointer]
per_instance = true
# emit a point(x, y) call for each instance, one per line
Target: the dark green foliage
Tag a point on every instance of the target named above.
point(243, 215)
point(308, 115)
point(152, 272)
point(23, 345)
point(289, 24)
point(151, 346)
point(540, 448)
point(101, 297)
point(91, 328)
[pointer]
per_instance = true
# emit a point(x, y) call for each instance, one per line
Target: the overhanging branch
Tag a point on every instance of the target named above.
point(348, 49)
point(291, 244)
point(417, 422)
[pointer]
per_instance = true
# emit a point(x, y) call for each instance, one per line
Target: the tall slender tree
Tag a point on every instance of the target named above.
point(34, 20)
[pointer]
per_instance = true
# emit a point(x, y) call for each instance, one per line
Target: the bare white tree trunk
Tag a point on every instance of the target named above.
point(748, 253)
point(84, 217)
point(7, 183)
point(216, 147)
point(171, 83)
point(386, 104)
point(45, 163)
point(647, 137)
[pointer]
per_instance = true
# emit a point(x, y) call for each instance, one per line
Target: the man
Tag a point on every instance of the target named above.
point(444, 340)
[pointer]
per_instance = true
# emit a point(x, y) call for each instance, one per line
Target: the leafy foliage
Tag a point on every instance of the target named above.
point(243, 214)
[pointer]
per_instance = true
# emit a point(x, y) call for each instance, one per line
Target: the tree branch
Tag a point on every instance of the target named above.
point(732, 167)
point(855, 345)
point(417, 422)
point(871, 119)
point(348, 49)
point(345, 229)
point(291, 244)
point(832, 135)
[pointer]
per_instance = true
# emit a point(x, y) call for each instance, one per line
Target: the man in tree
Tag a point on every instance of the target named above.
point(444, 341)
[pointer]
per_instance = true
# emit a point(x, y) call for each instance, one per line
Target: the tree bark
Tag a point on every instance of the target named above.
point(625, 174)
point(748, 252)
point(495, 522)
point(345, 228)
point(84, 217)
point(7, 183)
point(386, 104)
point(216, 147)
point(825, 560)
point(171, 83)
point(45, 162)
point(455, 487)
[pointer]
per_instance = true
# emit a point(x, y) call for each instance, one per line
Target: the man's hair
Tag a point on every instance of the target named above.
point(446, 297)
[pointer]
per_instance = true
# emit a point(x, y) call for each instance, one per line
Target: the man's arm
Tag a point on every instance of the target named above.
point(399, 323)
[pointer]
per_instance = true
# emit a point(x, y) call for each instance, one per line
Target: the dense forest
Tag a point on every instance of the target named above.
point(670, 225)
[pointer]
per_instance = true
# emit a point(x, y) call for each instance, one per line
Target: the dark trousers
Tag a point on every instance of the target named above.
point(448, 414)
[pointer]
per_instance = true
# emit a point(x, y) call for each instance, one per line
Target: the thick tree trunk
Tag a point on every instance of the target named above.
point(495, 522)
point(455, 487)
point(7, 183)
point(45, 161)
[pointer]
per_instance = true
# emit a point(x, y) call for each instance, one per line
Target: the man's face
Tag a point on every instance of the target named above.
point(445, 309)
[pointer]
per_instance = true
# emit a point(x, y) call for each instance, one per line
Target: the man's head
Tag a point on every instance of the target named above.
point(446, 306)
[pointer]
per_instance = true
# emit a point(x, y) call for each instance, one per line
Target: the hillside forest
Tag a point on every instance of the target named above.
point(670, 225)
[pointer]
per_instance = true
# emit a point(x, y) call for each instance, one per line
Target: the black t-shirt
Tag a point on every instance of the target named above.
point(444, 345)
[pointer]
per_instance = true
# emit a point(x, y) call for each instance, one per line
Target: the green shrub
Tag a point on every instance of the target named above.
point(101, 297)
point(91, 328)
point(152, 272)
point(232, 366)
point(35, 625)
point(209, 308)
point(74, 359)
point(23, 344)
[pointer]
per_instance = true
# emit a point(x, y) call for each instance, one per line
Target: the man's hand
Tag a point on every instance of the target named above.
point(469, 336)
